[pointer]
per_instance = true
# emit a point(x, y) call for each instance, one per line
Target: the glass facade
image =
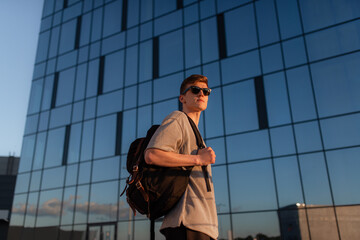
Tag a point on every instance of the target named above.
point(283, 117)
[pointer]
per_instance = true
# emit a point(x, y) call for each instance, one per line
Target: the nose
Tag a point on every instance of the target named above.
point(201, 93)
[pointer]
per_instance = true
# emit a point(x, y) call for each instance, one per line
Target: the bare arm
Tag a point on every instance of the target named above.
point(162, 158)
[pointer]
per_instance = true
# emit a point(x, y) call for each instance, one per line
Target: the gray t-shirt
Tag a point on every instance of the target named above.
point(196, 209)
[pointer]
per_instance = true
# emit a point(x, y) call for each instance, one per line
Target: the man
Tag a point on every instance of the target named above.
point(174, 145)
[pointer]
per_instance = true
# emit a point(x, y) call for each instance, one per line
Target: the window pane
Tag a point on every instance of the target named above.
point(282, 141)
point(103, 209)
point(84, 172)
point(161, 110)
point(248, 146)
point(315, 179)
point(60, 116)
point(225, 5)
point(212, 72)
point(74, 143)
point(87, 140)
point(31, 209)
point(53, 178)
point(31, 124)
point(219, 178)
point(43, 44)
point(85, 29)
point(27, 152)
point(288, 181)
point(113, 43)
point(145, 93)
point(209, 40)
point(65, 87)
point(47, 92)
point(112, 18)
point(90, 105)
point(266, 22)
point(289, 19)
point(18, 210)
point(105, 135)
point(168, 23)
point(71, 174)
point(114, 71)
point(97, 24)
point(344, 166)
point(240, 107)
point(164, 6)
point(82, 203)
point(336, 85)
point(294, 52)
point(167, 87)
point(35, 96)
point(192, 46)
point(146, 61)
point(131, 65)
point(308, 137)
point(110, 103)
point(77, 112)
point(107, 169)
point(130, 97)
point(68, 203)
point(80, 82)
point(39, 151)
point(247, 193)
point(144, 121)
point(35, 181)
point(128, 130)
point(170, 53)
point(49, 207)
point(218, 145)
point(92, 79)
point(214, 124)
point(67, 39)
point(54, 147)
point(22, 183)
point(271, 58)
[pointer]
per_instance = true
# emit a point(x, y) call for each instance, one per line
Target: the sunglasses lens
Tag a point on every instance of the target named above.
point(195, 90)
point(206, 91)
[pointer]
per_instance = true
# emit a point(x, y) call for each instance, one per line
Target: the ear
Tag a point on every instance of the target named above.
point(182, 99)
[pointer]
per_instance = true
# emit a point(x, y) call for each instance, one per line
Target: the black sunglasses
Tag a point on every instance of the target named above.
point(196, 90)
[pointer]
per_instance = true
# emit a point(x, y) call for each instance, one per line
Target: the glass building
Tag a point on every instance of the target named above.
point(283, 117)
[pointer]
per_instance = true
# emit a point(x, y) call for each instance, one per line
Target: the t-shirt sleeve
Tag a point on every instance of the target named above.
point(168, 137)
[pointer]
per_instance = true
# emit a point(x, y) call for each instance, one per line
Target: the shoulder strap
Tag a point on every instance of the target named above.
point(200, 144)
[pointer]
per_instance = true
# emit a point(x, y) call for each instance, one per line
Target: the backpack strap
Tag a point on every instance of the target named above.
point(200, 144)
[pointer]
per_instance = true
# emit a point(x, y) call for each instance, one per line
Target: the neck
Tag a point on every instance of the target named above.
point(195, 116)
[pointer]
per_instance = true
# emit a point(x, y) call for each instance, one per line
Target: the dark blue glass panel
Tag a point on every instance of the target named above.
point(266, 22)
point(301, 95)
point(94, 50)
point(130, 97)
point(67, 39)
point(319, 14)
point(218, 145)
point(48, 7)
point(97, 18)
point(87, 140)
point(84, 172)
point(35, 181)
point(161, 110)
point(131, 66)
point(92, 79)
point(143, 121)
point(105, 136)
point(107, 169)
point(276, 99)
point(47, 92)
point(308, 137)
point(247, 192)
point(248, 146)
point(212, 72)
point(207, 8)
point(74, 143)
point(252, 225)
point(60, 116)
point(113, 43)
point(192, 46)
point(334, 41)
point(114, 71)
point(54, 147)
point(219, 178)
point(39, 151)
point(214, 124)
point(344, 167)
point(77, 112)
point(82, 203)
point(288, 181)
point(146, 58)
point(164, 6)
point(49, 205)
point(289, 19)
point(315, 179)
point(228, 4)
point(240, 67)
point(27, 151)
point(167, 87)
point(31, 209)
point(170, 53)
point(57, 18)
point(73, 11)
point(336, 85)
point(35, 96)
point(128, 130)
point(31, 124)
point(110, 103)
point(83, 54)
point(71, 174)
point(22, 183)
point(85, 29)
point(65, 87)
point(191, 14)
point(66, 60)
point(54, 42)
point(53, 178)
point(271, 58)
point(80, 82)
point(168, 22)
point(43, 44)
point(146, 10)
point(341, 131)
point(18, 210)
point(146, 31)
point(240, 30)
point(240, 107)
point(39, 70)
point(44, 121)
point(103, 209)
point(90, 105)
point(133, 13)
point(282, 141)
point(209, 40)
point(51, 66)
point(112, 18)
point(132, 36)
point(145, 93)
point(68, 203)
point(294, 52)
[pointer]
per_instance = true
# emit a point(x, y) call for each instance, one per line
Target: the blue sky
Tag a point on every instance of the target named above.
point(19, 30)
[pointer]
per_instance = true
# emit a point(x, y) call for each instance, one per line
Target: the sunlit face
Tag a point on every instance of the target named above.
point(194, 102)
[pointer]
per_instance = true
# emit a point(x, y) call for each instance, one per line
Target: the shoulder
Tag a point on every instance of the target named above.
point(176, 116)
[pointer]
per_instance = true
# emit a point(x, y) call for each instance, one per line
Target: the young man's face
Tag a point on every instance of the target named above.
point(194, 102)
